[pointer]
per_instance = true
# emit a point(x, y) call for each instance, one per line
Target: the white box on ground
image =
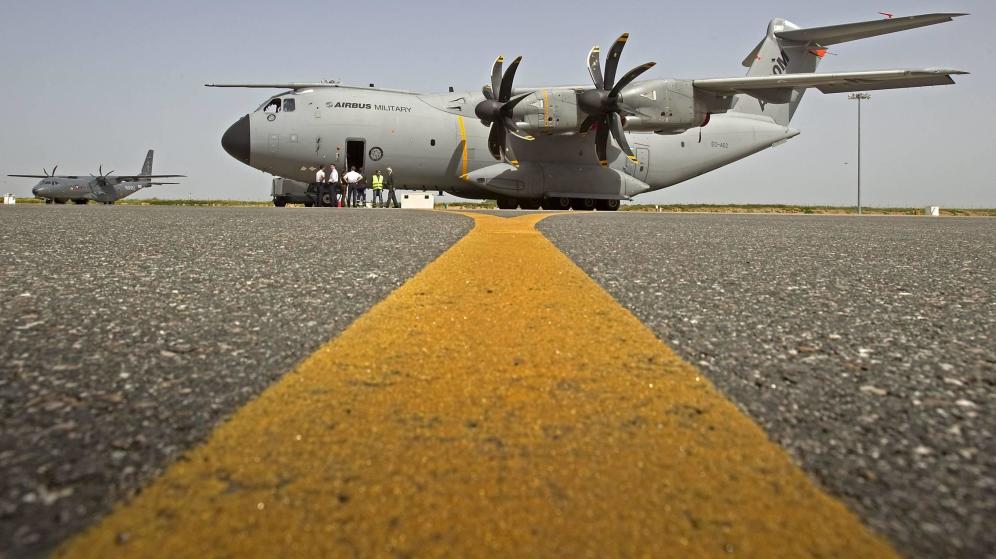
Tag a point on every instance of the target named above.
point(932, 211)
point(418, 201)
point(9, 199)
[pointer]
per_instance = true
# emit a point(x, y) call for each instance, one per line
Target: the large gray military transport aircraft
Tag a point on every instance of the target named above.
point(586, 146)
point(105, 188)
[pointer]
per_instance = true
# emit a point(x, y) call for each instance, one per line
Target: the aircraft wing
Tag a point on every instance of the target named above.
point(274, 85)
point(46, 176)
point(128, 178)
point(831, 82)
point(158, 183)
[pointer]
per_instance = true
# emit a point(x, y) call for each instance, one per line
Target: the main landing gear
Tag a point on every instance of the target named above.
point(556, 203)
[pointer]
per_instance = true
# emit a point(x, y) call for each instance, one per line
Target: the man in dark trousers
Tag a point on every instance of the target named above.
point(392, 198)
point(320, 178)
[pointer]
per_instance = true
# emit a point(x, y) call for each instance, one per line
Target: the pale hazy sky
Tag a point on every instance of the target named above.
point(85, 83)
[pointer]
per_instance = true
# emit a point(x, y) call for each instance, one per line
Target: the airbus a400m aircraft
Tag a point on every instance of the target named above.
point(106, 188)
point(585, 147)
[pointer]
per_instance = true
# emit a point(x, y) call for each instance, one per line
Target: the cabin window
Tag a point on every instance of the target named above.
point(432, 143)
point(288, 105)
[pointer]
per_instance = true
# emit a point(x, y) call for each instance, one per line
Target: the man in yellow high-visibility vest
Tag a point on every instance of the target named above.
point(377, 183)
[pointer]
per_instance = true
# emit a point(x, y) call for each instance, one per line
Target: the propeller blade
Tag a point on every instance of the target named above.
point(630, 76)
point(100, 170)
point(496, 77)
point(53, 170)
point(45, 172)
point(506, 81)
point(109, 173)
point(508, 107)
point(496, 139)
point(620, 136)
point(588, 123)
point(595, 67)
point(601, 142)
point(514, 130)
point(612, 60)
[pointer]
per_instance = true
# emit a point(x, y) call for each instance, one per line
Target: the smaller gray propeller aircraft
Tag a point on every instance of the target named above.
point(105, 188)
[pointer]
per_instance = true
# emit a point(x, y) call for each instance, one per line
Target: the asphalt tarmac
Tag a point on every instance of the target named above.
point(128, 333)
point(864, 346)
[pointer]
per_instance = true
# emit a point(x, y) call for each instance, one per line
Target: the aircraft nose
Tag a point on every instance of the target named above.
point(236, 140)
point(37, 191)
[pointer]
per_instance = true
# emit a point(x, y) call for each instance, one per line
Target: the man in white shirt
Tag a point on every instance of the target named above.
point(333, 183)
point(353, 185)
point(319, 185)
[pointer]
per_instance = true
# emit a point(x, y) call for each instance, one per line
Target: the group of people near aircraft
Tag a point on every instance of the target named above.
point(349, 190)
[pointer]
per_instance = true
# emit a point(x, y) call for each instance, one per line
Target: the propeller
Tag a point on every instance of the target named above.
point(496, 109)
point(101, 178)
point(603, 104)
point(47, 174)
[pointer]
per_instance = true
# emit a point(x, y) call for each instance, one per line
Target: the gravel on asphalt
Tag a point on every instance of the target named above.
point(129, 332)
point(864, 346)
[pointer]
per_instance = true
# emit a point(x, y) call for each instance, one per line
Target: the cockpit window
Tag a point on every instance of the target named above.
point(288, 105)
point(273, 106)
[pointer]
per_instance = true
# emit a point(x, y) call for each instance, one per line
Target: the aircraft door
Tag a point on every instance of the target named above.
point(355, 152)
point(641, 168)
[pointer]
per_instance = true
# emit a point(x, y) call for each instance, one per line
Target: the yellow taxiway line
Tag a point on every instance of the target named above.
point(498, 404)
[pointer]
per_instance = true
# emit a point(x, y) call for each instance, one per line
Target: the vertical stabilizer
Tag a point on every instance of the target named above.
point(147, 166)
point(774, 56)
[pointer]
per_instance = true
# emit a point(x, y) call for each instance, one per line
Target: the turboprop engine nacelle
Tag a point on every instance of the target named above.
point(663, 106)
point(549, 111)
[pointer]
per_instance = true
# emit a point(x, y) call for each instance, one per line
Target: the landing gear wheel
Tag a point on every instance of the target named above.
point(57, 201)
point(556, 203)
point(583, 204)
point(529, 204)
point(607, 205)
point(49, 201)
point(507, 203)
point(328, 200)
point(309, 204)
point(279, 201)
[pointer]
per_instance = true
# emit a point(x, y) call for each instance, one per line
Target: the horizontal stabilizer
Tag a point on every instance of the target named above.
point(834, 34)
point(830, 83)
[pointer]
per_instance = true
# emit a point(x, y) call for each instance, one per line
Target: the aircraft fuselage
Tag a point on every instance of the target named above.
point(434, 142)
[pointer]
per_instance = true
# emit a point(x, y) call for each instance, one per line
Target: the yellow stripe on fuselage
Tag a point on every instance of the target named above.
point(463, 140)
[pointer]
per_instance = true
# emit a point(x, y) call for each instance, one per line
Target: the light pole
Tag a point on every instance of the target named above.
point(859, 97)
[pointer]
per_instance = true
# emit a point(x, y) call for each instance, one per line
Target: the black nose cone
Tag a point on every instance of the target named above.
point(236, 140)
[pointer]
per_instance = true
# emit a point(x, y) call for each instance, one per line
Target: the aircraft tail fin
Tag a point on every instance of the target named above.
point(147, 166)
point(789, 49)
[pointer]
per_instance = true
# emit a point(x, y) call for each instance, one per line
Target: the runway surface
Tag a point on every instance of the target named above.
point(864, 346)
point(128, 332)
point(500, 381)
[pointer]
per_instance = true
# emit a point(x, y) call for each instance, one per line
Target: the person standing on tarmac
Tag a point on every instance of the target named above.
point(377, 184)
point(333, 183)
point(319, 185)
point(353, 186)
point(392, 198)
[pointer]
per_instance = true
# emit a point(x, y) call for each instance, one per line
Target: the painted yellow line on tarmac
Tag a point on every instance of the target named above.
point(499, 404)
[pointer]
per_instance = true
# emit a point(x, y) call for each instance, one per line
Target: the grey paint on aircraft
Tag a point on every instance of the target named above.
point(106, 188)
point(678, 129)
